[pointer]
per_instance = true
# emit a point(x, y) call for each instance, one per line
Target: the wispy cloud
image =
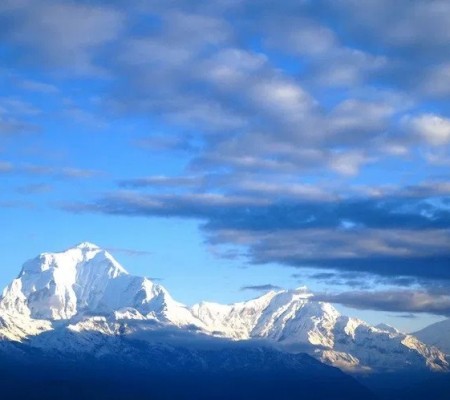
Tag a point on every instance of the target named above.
point(43, 170)
point(261, 288)
point(129, 252)
point(37, 86)
point(34, 188)
point(402, 301)
point(161, 181)
point(6, 167)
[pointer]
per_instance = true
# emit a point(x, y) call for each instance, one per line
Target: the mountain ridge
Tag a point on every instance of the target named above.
point(84, 289)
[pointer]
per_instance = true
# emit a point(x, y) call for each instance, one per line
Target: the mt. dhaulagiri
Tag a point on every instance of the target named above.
point(85, 280)
point(81, 300)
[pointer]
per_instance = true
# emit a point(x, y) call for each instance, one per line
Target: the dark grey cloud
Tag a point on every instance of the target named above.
point(130, 252)
point(408, 301)
point(360, 281)
point(365, 280)
point(59, 34)
point(258, 213)
point(395, 237)
point(405, 316)
point(386, 252)
point(161, 181)
point(319, 275)
point(261, 288)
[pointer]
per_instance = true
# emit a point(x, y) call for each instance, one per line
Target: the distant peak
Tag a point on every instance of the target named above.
point(87, 246)
point(387, 328)
point(302, 290)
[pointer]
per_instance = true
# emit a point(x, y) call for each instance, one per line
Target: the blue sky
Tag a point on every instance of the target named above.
point(227, 147)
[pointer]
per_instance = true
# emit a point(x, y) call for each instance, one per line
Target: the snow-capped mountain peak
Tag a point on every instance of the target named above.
point(85, 289)
point(387, 328)
point(73, 259)
point(87, 246)
point(58, 285)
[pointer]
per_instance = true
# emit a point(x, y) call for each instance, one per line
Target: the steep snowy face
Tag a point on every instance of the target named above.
point(85, 278)
point(235, 321)
point(285, 316)
point(437, 334)
point(57, 285)
point(292, 317)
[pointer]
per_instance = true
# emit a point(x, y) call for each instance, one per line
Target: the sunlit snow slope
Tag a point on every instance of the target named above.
point(84, 289)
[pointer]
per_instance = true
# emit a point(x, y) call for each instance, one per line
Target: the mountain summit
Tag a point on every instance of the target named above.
point(59, 285)
point(85, 290)
point(85, 280)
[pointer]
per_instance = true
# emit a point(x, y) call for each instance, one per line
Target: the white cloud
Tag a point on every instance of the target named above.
point(348, 163)
point(434, 129)
point(279, 96)
point(64, 34)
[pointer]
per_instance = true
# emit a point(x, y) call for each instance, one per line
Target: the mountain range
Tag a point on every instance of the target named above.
point(81, 300)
